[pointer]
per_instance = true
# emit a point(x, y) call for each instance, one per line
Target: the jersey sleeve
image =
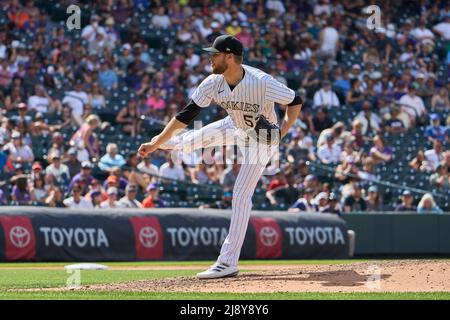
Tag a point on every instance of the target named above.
point(203, 95)
point(278, 92)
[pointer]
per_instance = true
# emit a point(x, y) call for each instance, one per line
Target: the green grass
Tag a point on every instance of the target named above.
point(225, 296)
point(24, 276)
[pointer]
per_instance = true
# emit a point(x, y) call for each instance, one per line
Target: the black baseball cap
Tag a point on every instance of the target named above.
point(226, 44)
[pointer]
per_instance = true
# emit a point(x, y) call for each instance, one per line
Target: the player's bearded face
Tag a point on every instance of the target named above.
point(218, 63)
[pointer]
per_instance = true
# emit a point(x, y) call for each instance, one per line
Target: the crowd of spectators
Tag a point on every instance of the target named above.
point(396, 82)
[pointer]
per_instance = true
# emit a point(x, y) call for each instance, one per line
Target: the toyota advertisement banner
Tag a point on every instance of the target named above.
point(46, 234)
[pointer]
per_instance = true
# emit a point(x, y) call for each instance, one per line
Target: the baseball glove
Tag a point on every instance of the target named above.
point(264, 132)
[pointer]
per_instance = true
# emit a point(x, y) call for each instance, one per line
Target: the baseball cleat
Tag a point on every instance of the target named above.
point(218, 270)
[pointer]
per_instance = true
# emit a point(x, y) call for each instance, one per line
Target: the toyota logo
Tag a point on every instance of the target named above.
point(148, 236)
point(19, 236)
point(268, 236)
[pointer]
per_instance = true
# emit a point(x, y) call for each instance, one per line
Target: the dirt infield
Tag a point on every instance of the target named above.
point(377, 276)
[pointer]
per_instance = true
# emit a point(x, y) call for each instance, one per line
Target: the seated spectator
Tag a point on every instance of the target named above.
point(96, 97)
point(320, 121)
point(83, 178)
point(95, 197)
point(321, 201)
point(367, 172)
point(346, 168)
point(339, 133)
point(355, 201)
point(129, 200)
point(369, 120)
point(146, 166)
point(42, 194)
point(374, 200)
point(76, 201)
point(295, 152)
point(230, 174)
point(441, 177)
point(434, 156)
point(395, 124)
point(42, 102)
point(58, 144)
point(428, 205)
point(76, 99)
point(330, 152)
point(58, 170)
point(379, 152)
point(115, 179)
point(72, 162)
point(284, 193)
point(156, 102)
point(199, 174)
point(21, 193)
point(107, 76)
point(357, 135)
point(333, 205)
point(152, 200)
point(111, 159)
point(130, 118)
point(420, 163)
point(160, 19)
point(435, 131)
point(304, 203)
point(413, 105)
point(18, 152)
point(349, 153)
point(355, 96)
point(443, 27)
point(407, 202)
point(325, 97)
point(440, 100)
point(111, 202)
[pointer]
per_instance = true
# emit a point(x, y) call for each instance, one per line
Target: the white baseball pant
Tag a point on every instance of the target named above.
point(254, 161)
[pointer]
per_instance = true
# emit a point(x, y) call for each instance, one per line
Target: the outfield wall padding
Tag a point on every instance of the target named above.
point(49, 234)
point(400, 233)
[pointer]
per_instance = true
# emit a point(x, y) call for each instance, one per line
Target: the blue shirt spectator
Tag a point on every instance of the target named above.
point(435, 131)
point(111, 159)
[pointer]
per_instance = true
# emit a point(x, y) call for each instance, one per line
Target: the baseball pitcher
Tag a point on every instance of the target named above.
point(248, 94)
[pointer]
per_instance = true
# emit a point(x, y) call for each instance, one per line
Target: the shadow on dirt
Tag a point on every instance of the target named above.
point(346, 278)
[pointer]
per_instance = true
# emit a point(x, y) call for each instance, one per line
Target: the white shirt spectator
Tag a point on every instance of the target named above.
point(76, 100)
point(326, 99)
point(150, 169)
point(330, 39)
point(322, 8)
point(415, 102)
point(433, 158)
point(327, 155)
point(58, 172)
point(192, 61)
point(23, 152)
point(422, 33)
point(89, 30)
point(375, 121)
point(106, 205)
point(83, 204)
point(176, 173)
point(40, 104)
point(161, 21)
point(276, 5)
point(125, 202)
point(443, 29)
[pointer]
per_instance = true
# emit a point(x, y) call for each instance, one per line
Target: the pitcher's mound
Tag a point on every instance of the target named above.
point(383, 276)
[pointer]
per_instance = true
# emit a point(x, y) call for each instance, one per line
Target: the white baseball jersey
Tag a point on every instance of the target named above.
point(254, 95)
